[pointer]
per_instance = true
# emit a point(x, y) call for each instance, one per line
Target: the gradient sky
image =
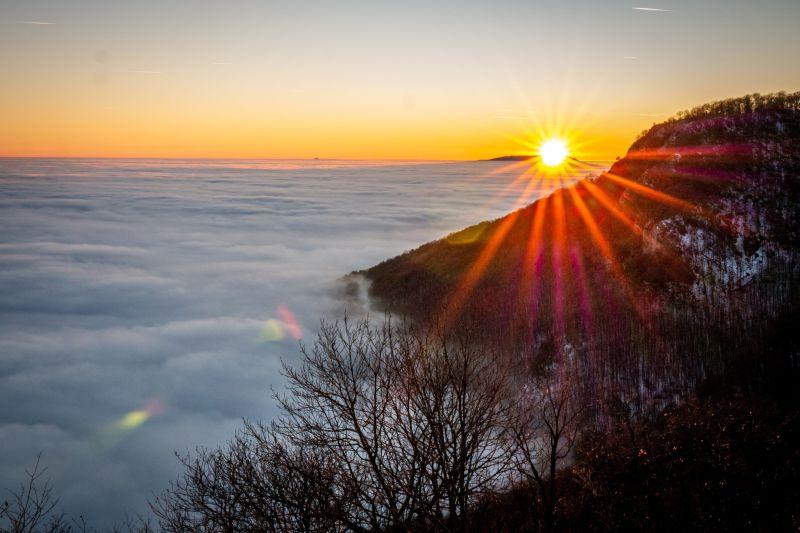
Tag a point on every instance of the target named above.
point(372, 79)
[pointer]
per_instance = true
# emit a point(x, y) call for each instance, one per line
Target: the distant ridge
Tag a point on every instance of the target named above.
point(511, 158)
point(520, 158)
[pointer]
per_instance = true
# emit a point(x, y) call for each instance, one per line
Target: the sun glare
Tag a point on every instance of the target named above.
point(553, 152)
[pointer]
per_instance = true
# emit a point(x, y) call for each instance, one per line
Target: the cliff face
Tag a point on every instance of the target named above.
point(678, 260)
point(738, 164)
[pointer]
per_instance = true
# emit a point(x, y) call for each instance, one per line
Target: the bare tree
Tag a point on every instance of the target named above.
point(31, 508)
point(256, 483)
point(134, 524)
point(543, 429)
point(384, 428)
point(459, 390)
point(289, 486)
point(413, 419)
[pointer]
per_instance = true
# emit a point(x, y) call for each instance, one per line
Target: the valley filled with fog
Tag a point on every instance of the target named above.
point(146, 304)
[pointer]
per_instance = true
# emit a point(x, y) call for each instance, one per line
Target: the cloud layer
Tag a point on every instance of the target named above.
point(146, 304)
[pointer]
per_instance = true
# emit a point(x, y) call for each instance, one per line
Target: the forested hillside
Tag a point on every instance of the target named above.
point(677, 265)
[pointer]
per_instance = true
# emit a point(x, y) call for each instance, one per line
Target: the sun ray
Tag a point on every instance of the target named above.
point(507, 168)
point(592, 226)
point(535, 120)
point(705, 174)
point(611, 205)
point(585, 300)
point(677, 152)
point(530, 171)
point(478, 268)
point(615, 269)
point(653, 194)
point(476, 271)
point(587, 305)
point(557, 258)
point(522, 142)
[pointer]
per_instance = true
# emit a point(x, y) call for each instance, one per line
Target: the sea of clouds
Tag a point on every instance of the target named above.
point(145, 306)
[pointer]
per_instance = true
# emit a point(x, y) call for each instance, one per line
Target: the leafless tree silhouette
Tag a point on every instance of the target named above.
point(546, 420)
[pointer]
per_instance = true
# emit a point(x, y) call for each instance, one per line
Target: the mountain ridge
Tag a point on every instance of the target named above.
point(689, 238)
point(520, 158)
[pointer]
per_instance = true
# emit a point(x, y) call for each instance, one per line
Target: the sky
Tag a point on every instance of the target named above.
point(372, 79)
point(146, 306)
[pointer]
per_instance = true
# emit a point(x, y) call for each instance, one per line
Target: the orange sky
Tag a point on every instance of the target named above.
point(371, 80)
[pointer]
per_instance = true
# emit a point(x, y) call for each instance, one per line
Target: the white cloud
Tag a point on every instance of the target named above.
point(125, 282)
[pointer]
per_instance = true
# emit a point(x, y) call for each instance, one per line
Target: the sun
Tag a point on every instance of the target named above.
point(553, 152)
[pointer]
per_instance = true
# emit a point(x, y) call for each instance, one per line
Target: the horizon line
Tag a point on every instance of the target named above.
point(172, 158)
point(211, 158)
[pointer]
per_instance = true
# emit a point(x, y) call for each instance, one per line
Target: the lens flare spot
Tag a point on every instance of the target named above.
point(290, 323)
point(553, 152)
point(272, 331)
point(133, 419)
point(140, 416)
point(277, 329)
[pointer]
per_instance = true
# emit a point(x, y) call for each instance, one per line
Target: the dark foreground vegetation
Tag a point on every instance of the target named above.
point(390, 428)
point(620, 356)
point(394, 429)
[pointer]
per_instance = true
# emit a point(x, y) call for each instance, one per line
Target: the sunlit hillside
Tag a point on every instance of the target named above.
point(663, 271)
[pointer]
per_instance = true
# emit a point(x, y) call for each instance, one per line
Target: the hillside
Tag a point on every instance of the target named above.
point(511, 158)
point(677, 264)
